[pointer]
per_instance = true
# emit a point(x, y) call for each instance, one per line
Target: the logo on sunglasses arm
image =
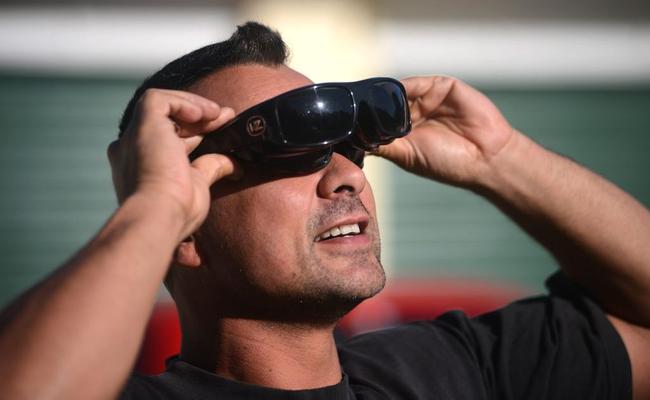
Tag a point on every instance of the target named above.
point(255, 125)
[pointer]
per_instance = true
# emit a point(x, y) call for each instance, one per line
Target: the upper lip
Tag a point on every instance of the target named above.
point(361, 220)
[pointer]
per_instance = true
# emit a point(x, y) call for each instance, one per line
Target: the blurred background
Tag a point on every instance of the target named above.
point(575, 76)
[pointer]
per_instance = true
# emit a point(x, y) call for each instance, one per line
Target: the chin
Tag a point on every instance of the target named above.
point(318, 294)
point(327, 302)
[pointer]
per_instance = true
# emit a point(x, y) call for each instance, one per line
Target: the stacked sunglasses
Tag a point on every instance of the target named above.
point(298, 131)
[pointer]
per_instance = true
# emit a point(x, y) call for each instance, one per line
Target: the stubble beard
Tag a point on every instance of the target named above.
point(331, 285)
point(324, 287)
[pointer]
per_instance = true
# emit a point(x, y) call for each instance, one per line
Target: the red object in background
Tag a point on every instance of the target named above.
point(401, 301)
point(413, 300)
point(162, 339)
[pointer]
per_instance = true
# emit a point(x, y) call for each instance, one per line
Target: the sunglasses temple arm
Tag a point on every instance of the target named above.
point(221, 141)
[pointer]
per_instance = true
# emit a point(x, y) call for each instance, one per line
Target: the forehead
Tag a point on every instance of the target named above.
point(243, 86)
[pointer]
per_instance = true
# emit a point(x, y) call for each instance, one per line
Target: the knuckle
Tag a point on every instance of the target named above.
point(221, 164)
point(150, 97)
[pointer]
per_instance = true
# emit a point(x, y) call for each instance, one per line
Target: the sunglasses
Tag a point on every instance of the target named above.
point(298, 131)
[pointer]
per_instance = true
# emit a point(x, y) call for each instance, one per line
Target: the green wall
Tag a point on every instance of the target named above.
point(54, 175)
point(56, 189)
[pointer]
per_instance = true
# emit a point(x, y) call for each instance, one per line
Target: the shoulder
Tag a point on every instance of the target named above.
point(432, 357)
point(557, 344)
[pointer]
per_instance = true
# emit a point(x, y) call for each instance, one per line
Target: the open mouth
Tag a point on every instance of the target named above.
point(339, 231)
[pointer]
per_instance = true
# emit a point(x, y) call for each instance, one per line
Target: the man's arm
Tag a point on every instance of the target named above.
point(77, 333)
point(598, 233)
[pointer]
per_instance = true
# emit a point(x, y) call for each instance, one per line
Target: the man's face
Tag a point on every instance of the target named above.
point(263, 240)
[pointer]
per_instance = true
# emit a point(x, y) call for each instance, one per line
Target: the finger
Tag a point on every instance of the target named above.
point(207, 126)
point(179, 106)
point(397, 151)
point(183, 113)
point(416, 86)
point(214, 167)
point(189, 96)
point(210, 108)
point(191, 143)
point(225, 116)
point(427, 94)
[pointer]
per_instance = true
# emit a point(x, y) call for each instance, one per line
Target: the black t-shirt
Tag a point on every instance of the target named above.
point(559, 346)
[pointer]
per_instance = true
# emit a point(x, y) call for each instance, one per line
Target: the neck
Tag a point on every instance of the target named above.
point(264, 353)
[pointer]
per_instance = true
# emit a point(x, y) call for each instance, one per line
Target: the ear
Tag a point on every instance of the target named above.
point(186, 254)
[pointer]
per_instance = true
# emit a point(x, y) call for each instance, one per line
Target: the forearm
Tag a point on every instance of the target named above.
point(599, 234)
point(77, 333)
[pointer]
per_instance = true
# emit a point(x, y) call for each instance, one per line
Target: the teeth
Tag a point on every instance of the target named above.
point(340, 231)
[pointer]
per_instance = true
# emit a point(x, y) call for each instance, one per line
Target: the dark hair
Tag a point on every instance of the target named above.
point(252, 43)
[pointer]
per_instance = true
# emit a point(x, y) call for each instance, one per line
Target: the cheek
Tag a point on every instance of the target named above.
point(259, 231)
point(279, 223)
point(368, 199)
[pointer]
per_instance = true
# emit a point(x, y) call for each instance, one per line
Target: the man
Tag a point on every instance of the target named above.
point(260, 282)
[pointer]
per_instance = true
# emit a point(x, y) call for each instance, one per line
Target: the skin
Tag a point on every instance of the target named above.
point(270, 277)
point(271, 213)
point(92, 311)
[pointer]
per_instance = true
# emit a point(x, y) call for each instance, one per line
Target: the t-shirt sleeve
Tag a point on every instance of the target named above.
point(560, 346)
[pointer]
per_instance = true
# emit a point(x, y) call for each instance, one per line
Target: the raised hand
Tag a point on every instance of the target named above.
point(456, 131)
point(151, 156)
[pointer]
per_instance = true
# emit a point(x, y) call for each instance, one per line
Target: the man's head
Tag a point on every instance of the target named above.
point(263, 251)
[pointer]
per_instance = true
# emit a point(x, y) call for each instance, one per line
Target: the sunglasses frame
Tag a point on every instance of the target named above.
point(257, 130)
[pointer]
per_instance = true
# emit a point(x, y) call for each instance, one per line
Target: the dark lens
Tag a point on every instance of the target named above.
point(352, 153)
point(390, 108)
point(316, 117)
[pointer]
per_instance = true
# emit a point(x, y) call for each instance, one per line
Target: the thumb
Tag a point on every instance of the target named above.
point(217, 166)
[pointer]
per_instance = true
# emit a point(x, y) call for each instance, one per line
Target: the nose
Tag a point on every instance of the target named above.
point(341, 177)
